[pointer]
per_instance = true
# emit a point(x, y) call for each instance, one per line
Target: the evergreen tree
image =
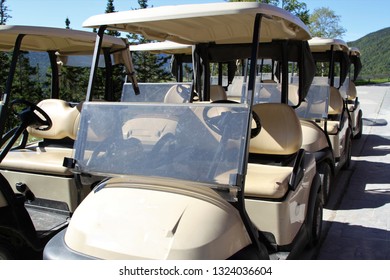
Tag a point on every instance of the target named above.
point(149, 67)
point(4, 57)
point(67, 23)
point(73, 81)
point(111, 9)
point(118, 71)
point(3, 12)
point(26, 85)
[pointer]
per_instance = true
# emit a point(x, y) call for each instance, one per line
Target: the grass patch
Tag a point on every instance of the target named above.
point(372, 81)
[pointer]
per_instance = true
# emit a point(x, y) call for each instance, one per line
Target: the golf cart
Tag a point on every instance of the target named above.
point(38, 194)
point(331, 56)
point(183, 183)
point(229, 83)
point(353, 103)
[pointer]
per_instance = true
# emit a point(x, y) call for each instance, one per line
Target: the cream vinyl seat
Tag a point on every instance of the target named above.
point(40, 165)
point(352, 95)
point(217, 92)
point(48, 159)
point(335, 111)
point(280, 137)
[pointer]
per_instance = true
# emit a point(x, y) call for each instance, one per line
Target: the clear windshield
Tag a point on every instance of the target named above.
point(196, 142)
point(157, 92)
point(344, 88)
point(315, 105)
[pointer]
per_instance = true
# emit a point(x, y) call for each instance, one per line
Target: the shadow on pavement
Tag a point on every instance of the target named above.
point(369, 186)
point(355, 242)
point(374, 145)
point(374, 122)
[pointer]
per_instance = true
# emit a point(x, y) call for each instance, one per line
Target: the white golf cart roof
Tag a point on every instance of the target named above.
point(221, 23)
point(318, 44)
point(354, 51)
point(65, 41)
point(166, 47)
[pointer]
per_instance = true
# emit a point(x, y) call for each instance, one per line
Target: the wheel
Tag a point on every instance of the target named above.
point(359, 126)
point(6, 252)
point(316, 227)
point(348, 151)
point(325, 173)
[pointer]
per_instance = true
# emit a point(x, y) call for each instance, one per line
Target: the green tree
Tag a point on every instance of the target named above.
point(4, 57)
point(297, 8)
point(73, 81)
point(111, 9)
point(67, 23)
point(149, 67)
point(26, 83)
point(325, 23)
point(3, 12)
point(118, 71)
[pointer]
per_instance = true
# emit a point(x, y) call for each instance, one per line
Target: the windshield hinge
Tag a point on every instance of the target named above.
point(69, 162)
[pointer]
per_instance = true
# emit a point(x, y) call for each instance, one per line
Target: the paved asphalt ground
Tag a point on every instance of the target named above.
point(357, 220)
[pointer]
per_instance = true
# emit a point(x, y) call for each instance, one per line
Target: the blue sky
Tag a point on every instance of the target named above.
point(358, 17)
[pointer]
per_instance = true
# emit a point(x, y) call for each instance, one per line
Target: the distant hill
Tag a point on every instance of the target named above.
point(375, 53)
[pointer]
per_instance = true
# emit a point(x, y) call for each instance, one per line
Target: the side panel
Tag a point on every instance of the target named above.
point(59, 189)
point(284, 218)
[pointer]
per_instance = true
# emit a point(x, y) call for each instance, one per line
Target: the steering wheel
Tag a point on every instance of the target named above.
point(160, 151)
point(212, 122)
point(122, 151)
point(166, 140)
point(255, 131)
point(32, 115)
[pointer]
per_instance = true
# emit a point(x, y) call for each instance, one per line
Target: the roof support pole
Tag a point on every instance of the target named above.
point(55, 88)
point(109, 86)
point(253, 233)
point(95, 61)
point(6, 95)
point(331, 67)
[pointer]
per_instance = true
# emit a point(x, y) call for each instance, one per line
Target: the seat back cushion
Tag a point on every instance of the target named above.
point(281, 132)
point(217, 92)
point(336, 104)
point(352, 93)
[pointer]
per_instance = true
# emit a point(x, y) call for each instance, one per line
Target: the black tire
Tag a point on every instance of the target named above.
point(6, 252)
point(325, 172)
point(359, 126)
point(316, 226)
point(347, 162)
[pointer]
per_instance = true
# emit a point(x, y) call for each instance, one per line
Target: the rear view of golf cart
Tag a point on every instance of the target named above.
point(331, 56)
point(181, 183)
point(325, 121)
point(38, 194)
